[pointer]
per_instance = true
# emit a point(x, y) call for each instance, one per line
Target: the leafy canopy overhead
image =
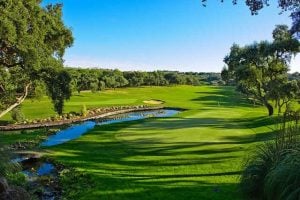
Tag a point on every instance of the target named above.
point(32, 36)
point(33, 40)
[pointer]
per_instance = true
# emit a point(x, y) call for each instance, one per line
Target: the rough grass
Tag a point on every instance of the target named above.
point(12, 137)
point(197, 154)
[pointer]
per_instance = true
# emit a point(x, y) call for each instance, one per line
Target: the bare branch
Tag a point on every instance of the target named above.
point(18, 102)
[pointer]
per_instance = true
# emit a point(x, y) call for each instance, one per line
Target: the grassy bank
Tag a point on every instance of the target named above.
point(120, 97)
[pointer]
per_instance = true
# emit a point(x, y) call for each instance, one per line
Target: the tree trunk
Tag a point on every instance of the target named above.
point(269, 107)
point(19, 101)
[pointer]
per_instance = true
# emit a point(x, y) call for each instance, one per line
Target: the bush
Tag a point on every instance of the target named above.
point(73, 181)
point(273, 171)
point(257, 168)
point(6, 166)
point(17, 179)
point(17, 115)
point(283, 181)
point(83, 111)
point(94, 87)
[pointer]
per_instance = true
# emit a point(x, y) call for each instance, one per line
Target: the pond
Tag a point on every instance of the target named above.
point(76, 130)
point(38, 170)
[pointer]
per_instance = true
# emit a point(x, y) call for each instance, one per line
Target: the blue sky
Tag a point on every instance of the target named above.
point(163, 34)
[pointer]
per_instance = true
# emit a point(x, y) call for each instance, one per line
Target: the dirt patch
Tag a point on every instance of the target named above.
point(154, 102)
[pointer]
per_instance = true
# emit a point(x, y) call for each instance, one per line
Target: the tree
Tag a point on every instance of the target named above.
point(135, 78)
point(284, 93)
point(121, 81)
point(261, 68)
point(110, 81)
point(149, 79)
point(58, 87)
point(225, 75)
point(32, 38)
point(75, 76)
point(294, 76)
point(160, 79)
point(174, 78)
point(192, 80)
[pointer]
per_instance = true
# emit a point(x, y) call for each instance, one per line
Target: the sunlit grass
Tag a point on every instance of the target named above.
point(197, 154)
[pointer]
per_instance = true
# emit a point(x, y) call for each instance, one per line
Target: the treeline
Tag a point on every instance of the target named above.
point(294, 76)
point(99, 79)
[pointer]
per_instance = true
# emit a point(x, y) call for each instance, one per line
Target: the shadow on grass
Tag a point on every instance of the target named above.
point(156, 190)
point(217, 123)
point(116, 176)
point(143, 168)
point(151, 169)
point(222, 97)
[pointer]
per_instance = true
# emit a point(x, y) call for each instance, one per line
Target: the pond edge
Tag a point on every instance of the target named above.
point(13, 127)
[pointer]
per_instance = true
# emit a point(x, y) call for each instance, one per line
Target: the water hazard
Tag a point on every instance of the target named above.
point(76, 130)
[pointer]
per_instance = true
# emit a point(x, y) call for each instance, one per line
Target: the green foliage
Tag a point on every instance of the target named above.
point(260, 69)
point(58, 87)
point(257, 167)
point(99, 79)
point(272, 172)
point(6, 166)
point(101, 85)
point(83, 110)
point(16, 178)
point(68, 177)
point(32, 38)
point(17, 115)
point(283, 181)
point(94, 87)
point(39, 91)
point(225, 75)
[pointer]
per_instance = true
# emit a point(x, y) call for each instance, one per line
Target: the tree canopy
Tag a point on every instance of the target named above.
point(260, 69)
point(33, 40)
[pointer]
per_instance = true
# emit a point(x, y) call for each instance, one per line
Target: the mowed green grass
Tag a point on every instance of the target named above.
point(197, 154)
point(34, 109)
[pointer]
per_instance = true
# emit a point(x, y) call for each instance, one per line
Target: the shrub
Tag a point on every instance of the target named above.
point(94, 87)
point(83, 110)
point(257, 167)
point(69, 179)
point(6, 166)
point(283, 181)
point(17, 115)
point(273, 170)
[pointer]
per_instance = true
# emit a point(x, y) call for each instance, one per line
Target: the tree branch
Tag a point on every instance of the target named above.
point(18, 102)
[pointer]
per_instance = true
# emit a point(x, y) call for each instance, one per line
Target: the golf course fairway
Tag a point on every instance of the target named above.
point(196, 154)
